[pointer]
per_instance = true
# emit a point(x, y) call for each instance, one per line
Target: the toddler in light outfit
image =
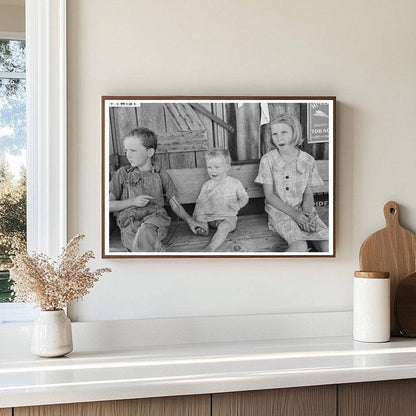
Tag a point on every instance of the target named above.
point(220, 199)
point(288, 175)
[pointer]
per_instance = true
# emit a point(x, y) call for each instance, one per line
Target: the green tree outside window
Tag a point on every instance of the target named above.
point(12, 146)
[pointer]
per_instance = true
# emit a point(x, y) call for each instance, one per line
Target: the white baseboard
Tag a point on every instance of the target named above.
point(169, 331)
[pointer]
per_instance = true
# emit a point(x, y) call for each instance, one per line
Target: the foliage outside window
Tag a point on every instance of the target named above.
point(12, 156)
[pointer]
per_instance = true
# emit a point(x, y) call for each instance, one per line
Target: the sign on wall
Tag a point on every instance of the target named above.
point(318, 123)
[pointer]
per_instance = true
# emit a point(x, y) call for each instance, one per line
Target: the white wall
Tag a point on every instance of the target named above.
point(360, 51)
point(12, 18)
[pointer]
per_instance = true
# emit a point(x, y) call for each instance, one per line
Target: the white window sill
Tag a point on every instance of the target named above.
point(16, 313)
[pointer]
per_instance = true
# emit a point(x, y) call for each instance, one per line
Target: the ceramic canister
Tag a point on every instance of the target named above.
point(371, 305)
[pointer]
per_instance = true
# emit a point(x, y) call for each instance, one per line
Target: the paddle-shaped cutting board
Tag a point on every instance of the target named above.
point(393, 250)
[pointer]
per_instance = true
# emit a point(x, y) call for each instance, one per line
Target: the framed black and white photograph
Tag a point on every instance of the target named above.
point(218, 177)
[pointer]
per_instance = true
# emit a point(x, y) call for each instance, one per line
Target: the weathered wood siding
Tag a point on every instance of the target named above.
point(181, 134)
point(185, 132)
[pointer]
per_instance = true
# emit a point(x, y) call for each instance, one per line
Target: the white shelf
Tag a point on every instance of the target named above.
point(150, 371)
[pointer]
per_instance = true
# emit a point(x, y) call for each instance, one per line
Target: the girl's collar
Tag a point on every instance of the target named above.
point(301, 160)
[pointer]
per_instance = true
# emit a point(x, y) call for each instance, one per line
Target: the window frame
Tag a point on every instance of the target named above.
point(46, 126)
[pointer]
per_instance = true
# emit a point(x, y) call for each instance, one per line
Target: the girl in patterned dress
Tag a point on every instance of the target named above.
point(288, 175)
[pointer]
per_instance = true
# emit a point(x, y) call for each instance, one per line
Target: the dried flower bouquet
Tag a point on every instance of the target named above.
point(53, 285)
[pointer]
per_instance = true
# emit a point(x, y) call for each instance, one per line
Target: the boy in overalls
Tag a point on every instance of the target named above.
point(137, 196)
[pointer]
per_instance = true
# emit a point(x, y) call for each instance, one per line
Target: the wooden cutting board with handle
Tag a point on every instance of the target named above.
point(393, 250)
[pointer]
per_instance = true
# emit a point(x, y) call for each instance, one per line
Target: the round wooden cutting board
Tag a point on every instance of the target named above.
point(393, 250)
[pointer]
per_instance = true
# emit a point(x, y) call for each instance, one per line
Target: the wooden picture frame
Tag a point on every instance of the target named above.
point(186, 129)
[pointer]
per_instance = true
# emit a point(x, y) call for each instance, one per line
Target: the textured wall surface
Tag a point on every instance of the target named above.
point(361, 52)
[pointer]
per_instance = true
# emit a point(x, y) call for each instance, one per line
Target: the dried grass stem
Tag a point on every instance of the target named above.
point(53, 285)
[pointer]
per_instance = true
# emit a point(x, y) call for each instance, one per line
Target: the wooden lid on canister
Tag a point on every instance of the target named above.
point(372, 275)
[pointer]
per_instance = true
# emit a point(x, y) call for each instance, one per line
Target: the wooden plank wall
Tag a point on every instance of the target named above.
point(165, 120)
point(216, 134)
point(249, 141)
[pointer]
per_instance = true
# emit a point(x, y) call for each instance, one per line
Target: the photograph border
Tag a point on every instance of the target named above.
point(104, 171)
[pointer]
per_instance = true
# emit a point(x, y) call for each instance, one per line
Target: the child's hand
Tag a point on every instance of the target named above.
point(301, 218)
point(193, 225)
point(305, 227)
point(305, 221)
point(202, 229)
point(142, 200)
point(311, 227)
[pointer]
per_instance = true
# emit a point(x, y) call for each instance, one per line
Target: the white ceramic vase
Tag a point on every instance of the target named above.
point(52, 334)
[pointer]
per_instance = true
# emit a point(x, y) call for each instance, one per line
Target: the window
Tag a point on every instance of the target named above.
point(12, 154)
point(46, 135)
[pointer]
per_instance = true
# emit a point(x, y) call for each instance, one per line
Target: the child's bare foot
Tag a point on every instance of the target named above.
point(208, 249)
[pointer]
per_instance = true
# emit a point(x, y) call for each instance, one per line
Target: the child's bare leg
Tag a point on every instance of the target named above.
point(223, 229)
point(147, 239)
point(321, 245)
point(298, 246)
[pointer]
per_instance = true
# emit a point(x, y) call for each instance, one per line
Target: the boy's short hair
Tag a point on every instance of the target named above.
point(294, 123)
point(216, 151)
point(149, 138)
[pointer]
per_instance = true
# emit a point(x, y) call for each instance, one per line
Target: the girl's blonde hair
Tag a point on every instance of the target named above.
point(294, 123)
point(216, 151)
